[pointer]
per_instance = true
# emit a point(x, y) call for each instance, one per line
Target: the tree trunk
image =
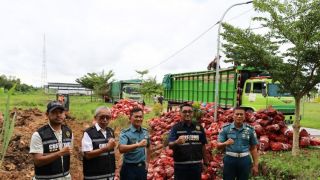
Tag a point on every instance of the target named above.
point(296, 128)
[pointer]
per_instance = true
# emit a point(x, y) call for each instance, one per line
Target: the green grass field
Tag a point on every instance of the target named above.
point(310, 115)
point(82, 107)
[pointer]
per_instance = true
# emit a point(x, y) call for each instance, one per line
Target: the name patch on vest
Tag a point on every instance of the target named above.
point(192, 137)
point(102, 145)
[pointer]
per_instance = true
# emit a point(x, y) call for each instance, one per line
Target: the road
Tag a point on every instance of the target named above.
point(311, 131)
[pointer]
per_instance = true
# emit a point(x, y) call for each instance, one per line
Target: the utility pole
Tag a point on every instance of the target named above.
point(216, 97)
point(44, 64)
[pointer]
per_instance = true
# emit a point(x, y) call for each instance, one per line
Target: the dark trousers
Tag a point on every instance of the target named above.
point(236, 168)
point(187, 171)
point(133, 172)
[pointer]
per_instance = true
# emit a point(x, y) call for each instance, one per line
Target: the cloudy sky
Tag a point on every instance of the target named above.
point(123, 35)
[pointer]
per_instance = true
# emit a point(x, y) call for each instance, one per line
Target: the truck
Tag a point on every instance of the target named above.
point(247, 87)
point(126, 89)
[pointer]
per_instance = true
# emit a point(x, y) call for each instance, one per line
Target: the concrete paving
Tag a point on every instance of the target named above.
point(311, 131)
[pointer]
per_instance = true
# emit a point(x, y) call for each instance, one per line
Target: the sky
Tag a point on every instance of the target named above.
point(85, 36)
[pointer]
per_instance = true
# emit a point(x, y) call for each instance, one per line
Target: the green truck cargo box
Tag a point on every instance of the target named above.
point(250, 88)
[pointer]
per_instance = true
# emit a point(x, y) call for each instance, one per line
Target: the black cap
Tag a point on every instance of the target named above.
point(54, 105)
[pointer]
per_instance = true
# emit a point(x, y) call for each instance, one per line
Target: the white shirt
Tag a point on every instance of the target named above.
point(36, 147)
point(86, 140)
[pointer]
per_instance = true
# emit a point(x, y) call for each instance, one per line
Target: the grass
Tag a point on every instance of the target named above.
point(281, 165)
point(310, 115)
point(81, 107)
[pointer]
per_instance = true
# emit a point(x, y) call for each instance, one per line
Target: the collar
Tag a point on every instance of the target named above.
point(54, 129)
point(98, 127)
point(185, 124)
point(133, 129)
point(232, 126)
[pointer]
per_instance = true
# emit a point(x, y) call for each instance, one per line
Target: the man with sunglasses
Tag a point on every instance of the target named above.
point(98, 145)
point(134, 143)
point(239, 140)
point(187, 139)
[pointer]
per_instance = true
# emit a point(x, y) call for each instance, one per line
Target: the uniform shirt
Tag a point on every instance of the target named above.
point(132, 135)
point(36, 147)
point(87, 141)
point(173, 132)
point(243, 137)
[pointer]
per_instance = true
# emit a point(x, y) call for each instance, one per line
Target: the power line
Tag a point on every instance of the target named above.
point(195, 39)
point(184, 47)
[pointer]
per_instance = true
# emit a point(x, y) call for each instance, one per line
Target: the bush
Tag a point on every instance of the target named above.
point(157, 109)
point(121, 122)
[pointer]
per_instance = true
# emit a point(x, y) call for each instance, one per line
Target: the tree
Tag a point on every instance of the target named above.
point(150, 87)
point(142, 73)
point(9, 82)
point(99, 82)
point(290, 50)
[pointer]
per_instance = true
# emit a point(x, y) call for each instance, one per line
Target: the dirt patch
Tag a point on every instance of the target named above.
point(18, 163)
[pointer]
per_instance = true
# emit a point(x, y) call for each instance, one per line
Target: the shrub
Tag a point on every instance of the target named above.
point(121, 122)
point(157, 109)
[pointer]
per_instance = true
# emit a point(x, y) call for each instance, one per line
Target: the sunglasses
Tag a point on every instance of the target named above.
point(187, 111)
point(104, 117)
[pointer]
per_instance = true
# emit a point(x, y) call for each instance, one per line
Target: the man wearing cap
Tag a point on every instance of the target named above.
point(135, 144)
point(239, 140)
point(98, 147)
point(51, 146)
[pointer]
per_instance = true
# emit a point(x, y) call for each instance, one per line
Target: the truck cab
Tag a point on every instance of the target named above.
point(131, 91)
point(261, 93)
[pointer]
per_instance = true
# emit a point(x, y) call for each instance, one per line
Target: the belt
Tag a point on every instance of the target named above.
point(238, 155)
point(139, 164)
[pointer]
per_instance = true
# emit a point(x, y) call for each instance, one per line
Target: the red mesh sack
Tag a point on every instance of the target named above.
point(315, 142)
point(304, 142)
point(264, 143)
point(278, 146)
point(304, 133)
point(273, 127)
point(281, 138)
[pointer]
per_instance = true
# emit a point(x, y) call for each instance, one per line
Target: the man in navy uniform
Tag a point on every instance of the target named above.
point(98, 145)
point(51, 146)
point(187, 140)
point(135, 144)
point(239, 141)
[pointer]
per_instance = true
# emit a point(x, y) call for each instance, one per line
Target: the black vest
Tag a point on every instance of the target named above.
point(50, 144)
point(191, 151)
point(104, 165)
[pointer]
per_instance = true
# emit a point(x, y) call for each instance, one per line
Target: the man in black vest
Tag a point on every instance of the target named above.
point(51, 146)
point(98, 147)
point(187, 140)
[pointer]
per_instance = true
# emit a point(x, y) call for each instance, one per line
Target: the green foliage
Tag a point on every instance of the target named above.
point(294, 26)
point(289, 50)
point(150, 87)
point(142, 73)
point(97, 81)
point(157, 109)
point(121, 122)
point(281, 165)
point(9, 82)
point(7, 127)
